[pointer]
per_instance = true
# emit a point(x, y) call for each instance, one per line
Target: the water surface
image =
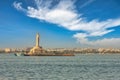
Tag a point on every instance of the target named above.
point(80, 67)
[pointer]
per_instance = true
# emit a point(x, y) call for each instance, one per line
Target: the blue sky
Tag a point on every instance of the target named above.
point(61, 23)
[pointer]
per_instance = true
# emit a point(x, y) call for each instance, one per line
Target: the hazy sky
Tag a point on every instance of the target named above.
point(61, 23)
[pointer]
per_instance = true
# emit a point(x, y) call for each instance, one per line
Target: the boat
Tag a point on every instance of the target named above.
point(50, 54)
point(44, 54)
point(19, 54)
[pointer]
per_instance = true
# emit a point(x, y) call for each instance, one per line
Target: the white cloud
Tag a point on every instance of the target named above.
point(106, 42)
point(100, 33)
point(60, 14)
point(87, 3)
point(18, 6)
point(65, 15)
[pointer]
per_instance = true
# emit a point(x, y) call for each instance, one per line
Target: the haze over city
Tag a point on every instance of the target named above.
point(61, 23)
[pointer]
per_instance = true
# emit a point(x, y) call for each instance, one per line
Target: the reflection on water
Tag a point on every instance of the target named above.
point(80, 67)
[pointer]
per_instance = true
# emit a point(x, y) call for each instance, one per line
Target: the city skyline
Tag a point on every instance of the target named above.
point(61, 23)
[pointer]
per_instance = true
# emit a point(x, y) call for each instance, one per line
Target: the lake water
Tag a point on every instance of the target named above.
point(80, 67)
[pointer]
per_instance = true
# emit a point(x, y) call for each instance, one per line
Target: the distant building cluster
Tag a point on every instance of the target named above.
point(84, 50)
point(12, 50)
point(71, 50)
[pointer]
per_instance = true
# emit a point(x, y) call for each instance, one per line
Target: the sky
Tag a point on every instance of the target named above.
point(60, 23)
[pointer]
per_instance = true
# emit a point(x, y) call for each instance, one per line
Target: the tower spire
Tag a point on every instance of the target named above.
point(37, 40)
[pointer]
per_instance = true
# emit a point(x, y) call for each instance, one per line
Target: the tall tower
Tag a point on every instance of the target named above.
point(37, 40)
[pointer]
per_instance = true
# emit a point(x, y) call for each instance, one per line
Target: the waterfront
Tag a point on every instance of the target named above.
point(80, 67)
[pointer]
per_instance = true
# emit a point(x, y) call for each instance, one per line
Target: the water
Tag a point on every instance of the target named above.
point(80, 67)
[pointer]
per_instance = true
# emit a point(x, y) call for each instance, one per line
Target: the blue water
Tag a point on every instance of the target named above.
point(80, 67)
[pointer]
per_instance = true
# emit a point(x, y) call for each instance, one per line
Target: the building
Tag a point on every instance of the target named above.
point(7, 50)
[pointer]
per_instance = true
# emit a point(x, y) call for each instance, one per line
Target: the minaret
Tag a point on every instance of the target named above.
point(37, 40)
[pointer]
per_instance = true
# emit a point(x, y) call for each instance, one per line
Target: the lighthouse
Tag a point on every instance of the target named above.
point(37, 39)
point(36, 49)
